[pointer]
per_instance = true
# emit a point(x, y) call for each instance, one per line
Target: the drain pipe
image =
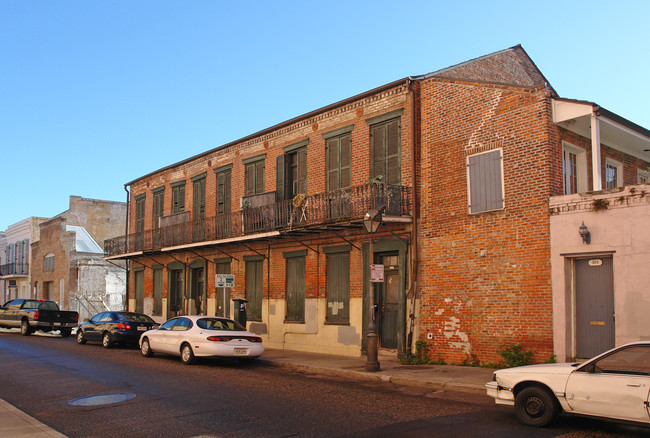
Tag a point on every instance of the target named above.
point(415, 250)
point(126, 243)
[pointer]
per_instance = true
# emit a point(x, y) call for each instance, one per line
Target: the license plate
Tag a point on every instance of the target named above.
point(241, 351)
point(142, 329)
point(57, 323)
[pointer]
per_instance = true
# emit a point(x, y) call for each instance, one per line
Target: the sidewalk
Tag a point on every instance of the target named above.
point(15, 423)
point(448, 377)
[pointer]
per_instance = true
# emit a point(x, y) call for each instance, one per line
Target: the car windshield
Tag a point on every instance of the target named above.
point(220, 324)
point(134, 317)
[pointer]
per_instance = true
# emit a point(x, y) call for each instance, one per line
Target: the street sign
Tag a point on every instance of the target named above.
point(376, 273)
point(224, 280)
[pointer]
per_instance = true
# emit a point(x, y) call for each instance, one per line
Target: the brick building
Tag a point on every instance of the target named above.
point(461, 163)
point(67, 260)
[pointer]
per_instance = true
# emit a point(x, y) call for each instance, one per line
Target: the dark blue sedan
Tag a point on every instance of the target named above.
point(112, 328)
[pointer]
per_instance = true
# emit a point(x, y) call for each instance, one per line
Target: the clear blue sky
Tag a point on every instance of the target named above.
point(94, 94)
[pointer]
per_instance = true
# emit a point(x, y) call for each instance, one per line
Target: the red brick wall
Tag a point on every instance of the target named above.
point(271, 143)
point(485, 278)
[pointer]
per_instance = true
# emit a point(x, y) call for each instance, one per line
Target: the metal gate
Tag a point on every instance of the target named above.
point(595, 331)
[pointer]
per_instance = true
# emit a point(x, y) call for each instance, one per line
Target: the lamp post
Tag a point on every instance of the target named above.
point(371, 222)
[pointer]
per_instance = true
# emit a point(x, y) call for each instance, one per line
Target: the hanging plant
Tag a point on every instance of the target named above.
point(299, 201)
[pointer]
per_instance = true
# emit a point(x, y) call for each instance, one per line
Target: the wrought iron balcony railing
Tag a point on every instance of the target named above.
point(342, 205)
point(14, 269)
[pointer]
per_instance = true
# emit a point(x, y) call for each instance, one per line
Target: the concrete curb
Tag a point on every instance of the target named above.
point(385, 377)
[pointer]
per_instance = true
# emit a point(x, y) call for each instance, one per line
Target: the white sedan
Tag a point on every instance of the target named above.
point(201, 336)
point(614, 385)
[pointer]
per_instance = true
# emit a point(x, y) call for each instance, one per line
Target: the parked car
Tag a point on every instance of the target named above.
point(111, 328)
point(201, 336)
point(614, 385)
point(30, 315)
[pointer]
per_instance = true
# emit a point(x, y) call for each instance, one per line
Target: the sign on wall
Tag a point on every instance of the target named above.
point(225, 280)
point(376, 273)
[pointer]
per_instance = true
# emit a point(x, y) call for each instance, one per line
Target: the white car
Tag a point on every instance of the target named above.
point(614, 385)
point(201, 336)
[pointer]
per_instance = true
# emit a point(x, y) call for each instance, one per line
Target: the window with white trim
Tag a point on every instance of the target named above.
point(642, 176)
point(485, 181)
point(613, 174)
point(574, 169)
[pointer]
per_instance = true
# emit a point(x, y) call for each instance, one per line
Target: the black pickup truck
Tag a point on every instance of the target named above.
point(30, 315)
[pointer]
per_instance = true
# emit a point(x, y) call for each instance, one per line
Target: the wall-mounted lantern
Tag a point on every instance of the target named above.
point(584, 233)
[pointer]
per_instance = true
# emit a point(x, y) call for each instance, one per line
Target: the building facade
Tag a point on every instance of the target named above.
point(67, 259)
point(461, 164)
point(16, 260)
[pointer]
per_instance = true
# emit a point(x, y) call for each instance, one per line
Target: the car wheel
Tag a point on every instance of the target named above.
point(80, 337)
point(535, 406)
point(106, 340)
point(25, 329)
point(145, 349)
point(187, 355)
point(65, 333)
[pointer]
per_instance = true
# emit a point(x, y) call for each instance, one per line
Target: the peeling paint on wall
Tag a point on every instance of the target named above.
point(451, 330)
point(348, 335)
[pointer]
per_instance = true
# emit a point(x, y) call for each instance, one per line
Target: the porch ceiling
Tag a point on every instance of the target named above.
point(615, 131)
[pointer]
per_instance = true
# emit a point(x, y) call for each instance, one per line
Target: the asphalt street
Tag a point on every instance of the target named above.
point(42, 375)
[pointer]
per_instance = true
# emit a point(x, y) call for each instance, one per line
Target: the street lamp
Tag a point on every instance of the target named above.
point(371, 222)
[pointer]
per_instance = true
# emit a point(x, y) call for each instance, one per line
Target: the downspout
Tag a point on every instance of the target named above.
point(415, 262)
point(126, 241)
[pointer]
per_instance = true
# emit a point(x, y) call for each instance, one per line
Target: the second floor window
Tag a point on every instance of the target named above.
point(255, 177)
point(385, 146)
point(139, 213)
point(178, 197)
point(485, 179)
point(339, 159)
point(223, 191)
point(198, 204)
point(613, 174)
point(158, 205)
point(291, 171)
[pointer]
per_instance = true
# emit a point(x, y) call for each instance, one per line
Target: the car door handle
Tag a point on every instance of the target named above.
point(634, 385)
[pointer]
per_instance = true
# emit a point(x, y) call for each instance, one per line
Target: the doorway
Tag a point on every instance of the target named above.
point(175, 294)
point(387, 300)
point(595, 328)
point(196, 304)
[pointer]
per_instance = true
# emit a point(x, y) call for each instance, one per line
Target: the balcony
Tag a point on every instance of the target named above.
point(343, 206)
point(17, 269)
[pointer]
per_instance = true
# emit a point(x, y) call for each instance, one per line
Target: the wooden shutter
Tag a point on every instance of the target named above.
point(486, 186)
point(377, 143)
point(332, 164)
point(295, 289)
point(259, 177)
point(254, 270)
point(338, 287)
point(199, 199)
point(157, 291)
point(280, 177)
point(223, 192)
point(301, 180)
point(139, 214)
point(393, 141)
point(178, 199)
point(345, 161)
point(250, 179)
point(158, 199)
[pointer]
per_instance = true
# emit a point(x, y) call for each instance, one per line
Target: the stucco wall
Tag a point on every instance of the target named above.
point(620, 229)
